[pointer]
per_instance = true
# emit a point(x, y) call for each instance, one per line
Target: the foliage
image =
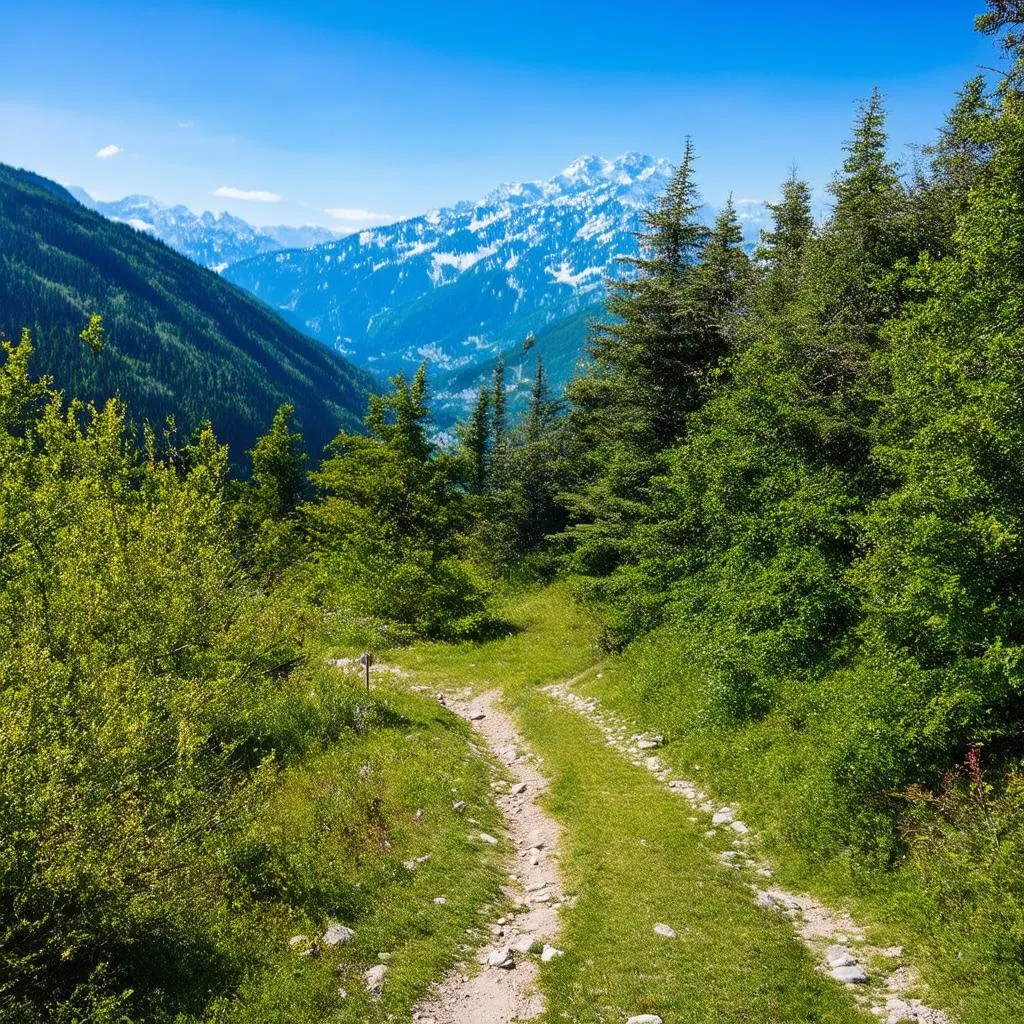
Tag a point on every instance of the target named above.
point(390, 524)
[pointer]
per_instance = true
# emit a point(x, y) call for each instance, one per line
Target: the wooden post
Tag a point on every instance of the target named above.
point(366, 660)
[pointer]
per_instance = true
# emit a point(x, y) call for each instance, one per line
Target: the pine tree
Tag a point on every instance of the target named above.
point(647, 370)
point(278, 468)
point(757, 523)
point(956, 160)
point(499, 404)
point(390, 527)
point(716, 298)
point(942, 575)
point(475, 444)
point(780, 252)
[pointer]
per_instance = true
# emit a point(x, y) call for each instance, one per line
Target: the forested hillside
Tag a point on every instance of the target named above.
point(179, 340)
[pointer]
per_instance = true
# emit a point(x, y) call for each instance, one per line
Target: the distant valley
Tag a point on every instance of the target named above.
point(455, 286)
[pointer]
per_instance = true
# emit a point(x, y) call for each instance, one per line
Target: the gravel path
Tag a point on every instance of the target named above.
point(883, 981)
point(505, 989)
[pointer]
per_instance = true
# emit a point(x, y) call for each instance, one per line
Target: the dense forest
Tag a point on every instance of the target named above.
point(181, 341)
point(793, 476)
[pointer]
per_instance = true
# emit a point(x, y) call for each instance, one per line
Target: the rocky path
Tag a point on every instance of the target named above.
point(883, 981)
point(504, 989)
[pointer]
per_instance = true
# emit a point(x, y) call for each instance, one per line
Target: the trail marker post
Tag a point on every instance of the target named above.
point(366, 660)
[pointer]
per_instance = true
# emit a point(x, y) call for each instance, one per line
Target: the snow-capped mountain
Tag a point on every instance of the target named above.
point(214, 240)
point(456, 286)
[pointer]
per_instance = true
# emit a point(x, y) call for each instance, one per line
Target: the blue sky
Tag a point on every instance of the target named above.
point(377, 110)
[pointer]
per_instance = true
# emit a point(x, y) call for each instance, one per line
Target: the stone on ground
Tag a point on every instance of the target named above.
point(338, 934)
point(665, 931)
point(501, 958)
point(374, 979)
point(850, 975)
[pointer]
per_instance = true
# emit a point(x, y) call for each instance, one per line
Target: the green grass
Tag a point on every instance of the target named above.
point(762, 767)
point(332, 845)
point(549, 638)
point(633, 858)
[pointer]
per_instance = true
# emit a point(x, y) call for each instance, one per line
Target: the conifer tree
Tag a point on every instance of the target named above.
point(278, 468)
point(391, 523)
point(648, 367)
point(717, 298)
point(475, 444)
point(942, 575)
point(757, 523)
point(538, 463)
point(781, 248)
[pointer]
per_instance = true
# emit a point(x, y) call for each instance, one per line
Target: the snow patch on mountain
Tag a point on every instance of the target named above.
point(213, 240)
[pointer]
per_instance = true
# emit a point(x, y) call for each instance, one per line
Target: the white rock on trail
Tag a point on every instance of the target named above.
point(850, 975)
point(490, 840)
point(501, 958)
point(645, 1018)
point(665, 931)
point(724, 816)
point(839, 956)
point(548, 953)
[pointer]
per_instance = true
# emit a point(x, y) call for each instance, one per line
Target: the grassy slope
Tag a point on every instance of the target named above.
point(761, 767)
point(335, 836)
point(633, 858)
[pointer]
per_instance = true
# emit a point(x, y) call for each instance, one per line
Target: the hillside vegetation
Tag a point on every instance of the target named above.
point(180, 340)
point(785, 492)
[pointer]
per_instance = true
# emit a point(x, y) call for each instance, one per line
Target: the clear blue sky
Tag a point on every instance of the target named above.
point(393, 107)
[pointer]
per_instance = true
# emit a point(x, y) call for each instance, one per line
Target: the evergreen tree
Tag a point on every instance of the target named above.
point(538, 463)
point(499, 404)
point(475, 444)
point(757, 522)
point(942, 575)
point(955, 161)
point(717, 299)
point(278, 468)
point(780, 252)
point(648, 365)
point(391, 521)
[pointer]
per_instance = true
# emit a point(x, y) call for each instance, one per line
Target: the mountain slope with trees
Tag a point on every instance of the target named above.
point(179, 341)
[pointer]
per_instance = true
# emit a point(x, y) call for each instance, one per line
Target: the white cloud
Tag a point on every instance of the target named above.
point(108, 151)
point(353, 213)
point(186, 124)
point(251, 195)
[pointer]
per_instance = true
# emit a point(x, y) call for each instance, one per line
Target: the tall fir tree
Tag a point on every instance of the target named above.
point(475, 437)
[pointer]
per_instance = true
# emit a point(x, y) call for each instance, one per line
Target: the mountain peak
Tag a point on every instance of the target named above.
point(623, 170)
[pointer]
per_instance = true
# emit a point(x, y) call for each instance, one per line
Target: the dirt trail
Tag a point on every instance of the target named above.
point(505, 990)
point(884, 983)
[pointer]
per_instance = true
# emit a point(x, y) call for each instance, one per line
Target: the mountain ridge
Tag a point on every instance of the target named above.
point(460, 284)
point(180, 340)
point(214, 240)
